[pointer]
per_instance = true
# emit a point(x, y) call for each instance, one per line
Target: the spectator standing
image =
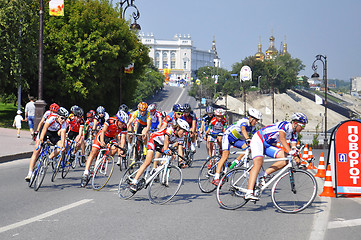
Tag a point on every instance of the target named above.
point(30, 114)
point(17, 122)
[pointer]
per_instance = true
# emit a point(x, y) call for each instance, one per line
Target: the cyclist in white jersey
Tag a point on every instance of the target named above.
point(160, 142)
point(55, 129)
point(263, 143)
point(237, 135)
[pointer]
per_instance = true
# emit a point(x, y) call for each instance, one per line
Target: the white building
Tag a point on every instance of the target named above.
point(356, 84)
point(179, 55)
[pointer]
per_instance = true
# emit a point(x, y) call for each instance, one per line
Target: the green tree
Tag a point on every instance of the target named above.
point(86, 52)
point(18, 45)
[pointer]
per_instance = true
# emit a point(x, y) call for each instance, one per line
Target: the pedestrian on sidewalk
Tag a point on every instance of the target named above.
point(17, 122)
point(30, 114)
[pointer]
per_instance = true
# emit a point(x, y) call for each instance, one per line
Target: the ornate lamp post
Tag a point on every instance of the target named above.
point(135, 14)
point(40, 103)
point(323, 59)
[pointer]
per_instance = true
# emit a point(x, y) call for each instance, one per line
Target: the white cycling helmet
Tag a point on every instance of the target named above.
point(254, 113)
point(122, 116)
point(183, 124)
point(219, 112)
point(299, 117)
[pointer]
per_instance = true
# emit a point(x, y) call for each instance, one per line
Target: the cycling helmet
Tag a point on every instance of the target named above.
point(63, 112)
point(152, 107)
point(183, 124)
point(299, 117)
point(78, 112)
point(142, 106)
point(90, 114)
point(73, 108)
point(187, 107)
point(122, 116)
point(100, 110)
point(209, 109)
point(54, 107)
point(254, 113)
point(219, 112)
point(164, 113)
point(123, 108)
point(177, 108)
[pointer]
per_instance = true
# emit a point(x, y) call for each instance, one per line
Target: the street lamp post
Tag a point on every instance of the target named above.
point(40, 103)
point(323, 59)
point(135, 14)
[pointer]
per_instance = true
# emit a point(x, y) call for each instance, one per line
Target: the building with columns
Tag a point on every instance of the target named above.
point(179, 56)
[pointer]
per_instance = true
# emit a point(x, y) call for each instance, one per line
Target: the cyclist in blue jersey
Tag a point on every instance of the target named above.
point(237, 135)
point(263, 143)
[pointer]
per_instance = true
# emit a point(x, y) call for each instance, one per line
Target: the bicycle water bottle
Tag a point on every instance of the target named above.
point(234, 163)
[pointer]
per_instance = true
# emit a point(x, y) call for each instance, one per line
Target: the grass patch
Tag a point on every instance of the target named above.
point(7, 115)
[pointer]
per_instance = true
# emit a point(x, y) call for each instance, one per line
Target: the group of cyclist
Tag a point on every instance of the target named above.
point(160, 131)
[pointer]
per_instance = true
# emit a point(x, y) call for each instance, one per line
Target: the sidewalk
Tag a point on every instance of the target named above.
point(12, 147)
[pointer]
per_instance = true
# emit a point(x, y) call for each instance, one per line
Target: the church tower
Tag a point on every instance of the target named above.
point(284, 51)
point(260, 55)
point(216, 60)
point(271, 51)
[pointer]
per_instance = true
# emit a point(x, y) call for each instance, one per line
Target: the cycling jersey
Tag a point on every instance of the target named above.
point(189, 119)
point(217, 126)
point(141, 119)
point(47, 114)
point(155, 119)
point(207, 119)
point(75, 124)
point(113, 129)
point(263, 141)
point(270, 133)
point(233, 134)
point(101, 120)
point(157, 138)
point(53, 124)
point(170, 119)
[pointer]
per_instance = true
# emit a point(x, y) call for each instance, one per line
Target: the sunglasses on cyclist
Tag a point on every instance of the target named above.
point(179, 113)
point(301, 125)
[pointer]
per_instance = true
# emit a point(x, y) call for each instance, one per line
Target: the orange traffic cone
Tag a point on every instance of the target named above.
point(310, 156)
point(327, 187)
point(298, 145)
point(321, 167)
point(305, 155)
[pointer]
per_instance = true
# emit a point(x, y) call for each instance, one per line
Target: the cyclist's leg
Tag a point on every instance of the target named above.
point(144, 166)
point(277, 165)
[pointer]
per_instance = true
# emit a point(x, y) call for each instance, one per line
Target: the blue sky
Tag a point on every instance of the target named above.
point(311, 27)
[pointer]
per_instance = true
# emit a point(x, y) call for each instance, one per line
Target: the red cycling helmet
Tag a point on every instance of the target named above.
point(54, 107)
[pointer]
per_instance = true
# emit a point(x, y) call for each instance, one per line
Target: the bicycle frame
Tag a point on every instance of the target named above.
point(162, 167)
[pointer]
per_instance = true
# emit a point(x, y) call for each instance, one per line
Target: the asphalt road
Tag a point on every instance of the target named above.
point(63, 210)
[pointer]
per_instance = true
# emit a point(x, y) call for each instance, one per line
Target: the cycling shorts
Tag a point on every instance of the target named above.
point(259, 148)
point(154, 145)
point(96, 143)
point(229, 140)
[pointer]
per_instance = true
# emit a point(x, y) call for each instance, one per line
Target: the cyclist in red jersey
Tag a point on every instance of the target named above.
point(160, 142)
point(52, 110)
point(111, 128)
point(76, 129)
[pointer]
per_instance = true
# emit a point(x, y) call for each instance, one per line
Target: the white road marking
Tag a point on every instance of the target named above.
point(344, 223)
point(320, 219)
point(178, 98)
point(44, 215)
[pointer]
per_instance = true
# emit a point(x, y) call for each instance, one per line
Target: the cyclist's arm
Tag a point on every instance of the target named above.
point(166, 149)
point(149, 123)
point(43, 132)
point(244, 132)
point(129, 126)
point(62, 138)
point(194, 123)
point(95, 124)
point(160, 120)
point(102, 134)
point(40, 124)
point(283, 141)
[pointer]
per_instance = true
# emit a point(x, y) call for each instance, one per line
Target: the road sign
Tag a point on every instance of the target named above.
point(246, 73)
point(203, 101)
point(198, 82)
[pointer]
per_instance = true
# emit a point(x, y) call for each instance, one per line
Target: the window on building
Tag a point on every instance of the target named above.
point(157, 64)
point(185, 65)
point(165, 65)
point(172, 64)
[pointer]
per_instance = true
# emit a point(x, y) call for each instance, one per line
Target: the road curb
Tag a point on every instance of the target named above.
point(13, 157)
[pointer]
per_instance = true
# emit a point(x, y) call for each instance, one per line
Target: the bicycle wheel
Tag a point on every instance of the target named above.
point(102, 172)
point(170, 181)
point(206, 175)
point(66, 165)
point(39, 178)
point(232, 188)
point(128, 176)
point(30, 184)
point(57, 167)
point(294, 200)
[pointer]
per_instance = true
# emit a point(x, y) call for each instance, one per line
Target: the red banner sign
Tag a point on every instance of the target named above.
point(348, 158)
